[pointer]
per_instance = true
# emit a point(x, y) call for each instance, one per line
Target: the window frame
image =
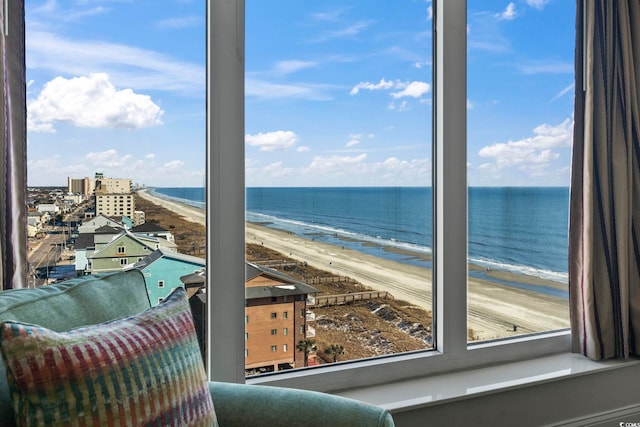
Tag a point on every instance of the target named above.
point(226, 213)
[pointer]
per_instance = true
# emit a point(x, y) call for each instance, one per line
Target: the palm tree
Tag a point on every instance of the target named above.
point(334, 350)
point(307, 345)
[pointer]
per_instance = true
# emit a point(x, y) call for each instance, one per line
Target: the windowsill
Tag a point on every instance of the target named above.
point(432, 390)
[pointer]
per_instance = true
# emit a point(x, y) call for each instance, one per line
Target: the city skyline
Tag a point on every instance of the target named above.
point(337, 96)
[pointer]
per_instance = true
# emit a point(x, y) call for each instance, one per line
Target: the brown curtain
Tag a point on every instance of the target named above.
point(604, 234)
point(13, 144)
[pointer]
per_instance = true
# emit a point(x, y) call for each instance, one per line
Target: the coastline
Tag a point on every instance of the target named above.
point(190, 213)
point(494, 307)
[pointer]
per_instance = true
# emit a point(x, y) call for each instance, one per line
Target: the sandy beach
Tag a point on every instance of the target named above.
point(494, 308)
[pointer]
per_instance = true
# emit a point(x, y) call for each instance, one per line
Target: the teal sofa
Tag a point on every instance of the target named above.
point(97, 299)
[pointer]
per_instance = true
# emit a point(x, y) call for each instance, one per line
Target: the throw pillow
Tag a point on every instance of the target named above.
point(134, 371)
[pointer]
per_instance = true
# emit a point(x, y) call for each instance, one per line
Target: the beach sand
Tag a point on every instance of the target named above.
point(493, 309)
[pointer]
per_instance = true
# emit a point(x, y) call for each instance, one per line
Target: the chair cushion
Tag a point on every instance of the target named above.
point(77, 302)
point(138, 370)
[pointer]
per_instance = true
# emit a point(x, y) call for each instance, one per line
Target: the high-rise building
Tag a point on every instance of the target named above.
point(115, 205)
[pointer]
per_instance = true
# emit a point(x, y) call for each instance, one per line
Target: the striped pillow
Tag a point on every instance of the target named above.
point(140, 370)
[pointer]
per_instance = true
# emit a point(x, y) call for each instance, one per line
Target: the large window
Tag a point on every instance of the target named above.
point(519, 129)
point(338, 130)
point(226, 155)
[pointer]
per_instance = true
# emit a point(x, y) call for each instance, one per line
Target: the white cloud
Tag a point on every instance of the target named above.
point(383, 84)
point(180, 22)
point(334, 170)
point(547, 67)
point(531, 154)
point(356, 138)
point(291, 66)
point(268, 90)
point(127, 66)
point(108, 158)
point(272, 141)
point(508, 14)
point(91, 102)
point(329, 16)
point(470, 105)
point(172, 166)
point(537, 4)
point(430, 12)
point(403, 106)
point(276, 170)
point(303, 149)
point(352, 143)
point(413, 89)
point(564, 91)
point(349, 31)
point(334, 164)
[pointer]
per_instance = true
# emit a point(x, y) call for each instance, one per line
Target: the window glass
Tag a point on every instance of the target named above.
point(520, 101)
point(338, 168)
point(124, 108)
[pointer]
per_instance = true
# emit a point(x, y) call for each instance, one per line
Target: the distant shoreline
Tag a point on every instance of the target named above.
point(494, 308)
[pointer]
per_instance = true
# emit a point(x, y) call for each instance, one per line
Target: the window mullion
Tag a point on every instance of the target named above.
point(225, 190)
point(450, 177)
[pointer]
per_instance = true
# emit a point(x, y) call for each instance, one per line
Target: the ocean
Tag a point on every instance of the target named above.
point(518, 229)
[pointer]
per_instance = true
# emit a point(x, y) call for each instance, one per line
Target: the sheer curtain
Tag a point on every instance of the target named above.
point(13, 143)
point(604, 235)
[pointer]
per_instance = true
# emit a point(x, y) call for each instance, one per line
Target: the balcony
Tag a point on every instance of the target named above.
point(311, 316)
point(311, 332)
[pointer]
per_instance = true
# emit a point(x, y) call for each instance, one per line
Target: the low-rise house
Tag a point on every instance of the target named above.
point(87, 243)
point(151, 229)
point(92, 224)
point(139, 217)
point(73, 198)
point(51, 208)
point(163, 269)
point(120, 252)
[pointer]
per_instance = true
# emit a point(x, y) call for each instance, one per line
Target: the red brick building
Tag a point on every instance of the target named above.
point(277, 317)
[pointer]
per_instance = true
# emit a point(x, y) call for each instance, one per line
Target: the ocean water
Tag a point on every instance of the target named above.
point(519, 229)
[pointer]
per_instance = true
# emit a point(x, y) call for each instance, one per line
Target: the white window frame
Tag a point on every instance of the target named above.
point(226, 213)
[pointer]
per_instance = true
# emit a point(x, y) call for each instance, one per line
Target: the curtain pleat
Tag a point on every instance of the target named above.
point(13, 173)
point(604, 233)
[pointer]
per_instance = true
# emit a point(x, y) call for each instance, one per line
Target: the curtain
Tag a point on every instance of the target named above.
point(13, 143)
point(604, 220)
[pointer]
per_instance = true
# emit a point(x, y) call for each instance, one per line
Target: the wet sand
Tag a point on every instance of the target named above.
point(494, 308)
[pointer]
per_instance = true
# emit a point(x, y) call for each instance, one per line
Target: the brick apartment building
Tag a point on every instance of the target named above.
point(277, 317)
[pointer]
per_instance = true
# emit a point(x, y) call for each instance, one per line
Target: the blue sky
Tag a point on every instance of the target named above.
point(337, 93)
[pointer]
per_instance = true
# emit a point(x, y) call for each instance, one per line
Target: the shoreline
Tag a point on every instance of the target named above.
point(494, 308)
